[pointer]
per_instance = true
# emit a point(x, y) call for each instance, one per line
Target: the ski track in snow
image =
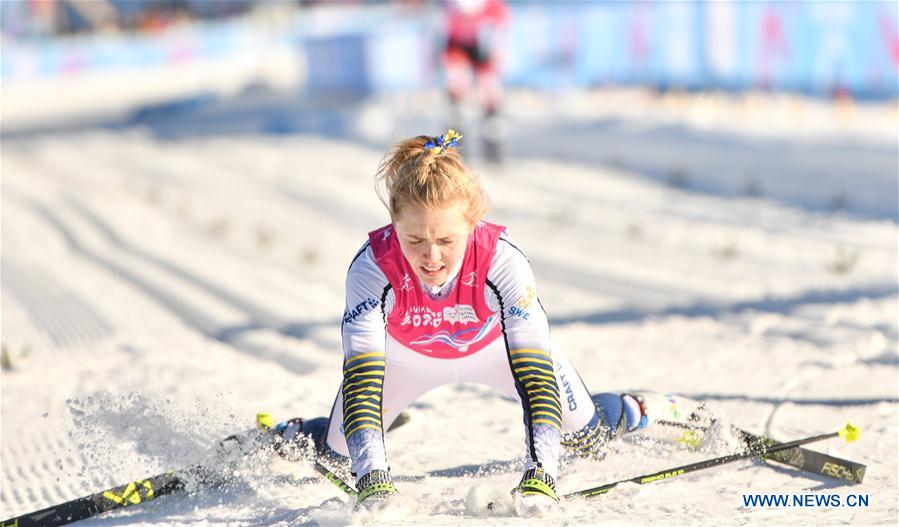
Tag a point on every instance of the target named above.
point(158, 290)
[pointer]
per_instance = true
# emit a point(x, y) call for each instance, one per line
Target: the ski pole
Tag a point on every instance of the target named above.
point(805, 459)
point(266, 423)
point(849, 433)
point(335, 479)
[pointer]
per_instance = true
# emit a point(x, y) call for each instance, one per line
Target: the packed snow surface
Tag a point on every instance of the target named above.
point(164, 280)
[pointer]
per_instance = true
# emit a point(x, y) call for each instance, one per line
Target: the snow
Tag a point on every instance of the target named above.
point(163, 281)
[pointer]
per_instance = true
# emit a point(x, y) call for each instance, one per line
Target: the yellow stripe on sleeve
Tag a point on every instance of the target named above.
point(522, 351)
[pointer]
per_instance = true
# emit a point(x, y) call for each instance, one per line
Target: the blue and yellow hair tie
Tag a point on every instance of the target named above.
point(439, 144)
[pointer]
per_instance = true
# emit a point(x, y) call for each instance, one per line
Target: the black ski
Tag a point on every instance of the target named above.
point(802, 458)
point(848, 433)
point(810, 460)
point(133, 493)
point(227, 452)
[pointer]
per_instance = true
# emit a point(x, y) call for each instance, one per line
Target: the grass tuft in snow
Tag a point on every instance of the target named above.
point(728, 250)
point(679, 178)
point(309, 256)
point(5, 359)
point(754, 188)
point(844, 261)
point(634, 232)
point(219, 228)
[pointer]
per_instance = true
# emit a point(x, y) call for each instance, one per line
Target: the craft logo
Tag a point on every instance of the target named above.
point(385, 235)
point(469, 279)
point(361, 307)
point(572, 403)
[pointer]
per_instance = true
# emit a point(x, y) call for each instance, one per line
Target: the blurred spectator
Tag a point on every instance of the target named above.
point(30, 18)
point(471, 57)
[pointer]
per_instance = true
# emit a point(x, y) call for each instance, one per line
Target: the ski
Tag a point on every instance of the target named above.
point(809, 460)
point(132, 493)
point(848, 433)
point(804, 459)
point(228, 451)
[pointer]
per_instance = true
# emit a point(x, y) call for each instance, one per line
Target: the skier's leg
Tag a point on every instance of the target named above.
point(586, 429)
point(458, 68)
point(664, 417)
point(490, 91)
point(657, 407)
point(615, 414)
point(583, 428)
point(623, 412)
point(675, 411)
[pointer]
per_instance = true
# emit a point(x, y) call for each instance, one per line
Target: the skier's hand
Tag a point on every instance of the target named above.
point(374, 488)
point(290, 440)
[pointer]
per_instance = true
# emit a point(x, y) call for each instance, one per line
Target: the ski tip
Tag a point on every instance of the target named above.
point(264, 421)
point(850, 433)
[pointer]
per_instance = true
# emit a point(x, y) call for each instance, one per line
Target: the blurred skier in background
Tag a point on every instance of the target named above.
point(474, 30)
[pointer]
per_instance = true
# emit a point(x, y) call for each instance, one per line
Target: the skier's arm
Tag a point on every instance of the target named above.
point(364, 335)
point(512, 289)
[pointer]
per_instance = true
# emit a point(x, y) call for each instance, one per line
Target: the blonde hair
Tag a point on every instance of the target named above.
point(412, 175)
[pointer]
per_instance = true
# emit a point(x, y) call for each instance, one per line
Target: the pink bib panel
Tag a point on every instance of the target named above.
point(448, 328)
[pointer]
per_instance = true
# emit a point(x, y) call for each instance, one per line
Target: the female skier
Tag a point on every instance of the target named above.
point(441, 296)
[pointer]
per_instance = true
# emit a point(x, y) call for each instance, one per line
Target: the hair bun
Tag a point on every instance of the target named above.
point(439, 144)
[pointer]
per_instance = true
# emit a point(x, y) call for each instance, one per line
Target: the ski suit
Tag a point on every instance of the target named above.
point(484, 325)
